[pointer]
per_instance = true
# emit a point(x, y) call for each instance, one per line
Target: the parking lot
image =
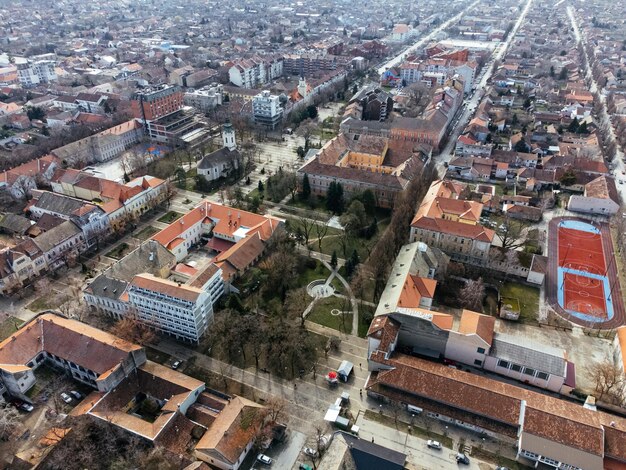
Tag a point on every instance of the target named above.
point(47, 405)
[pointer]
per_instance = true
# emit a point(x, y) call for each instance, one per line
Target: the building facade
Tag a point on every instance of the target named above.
point(267, 110)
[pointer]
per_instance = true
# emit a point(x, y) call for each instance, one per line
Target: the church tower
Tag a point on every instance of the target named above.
point(228, 136)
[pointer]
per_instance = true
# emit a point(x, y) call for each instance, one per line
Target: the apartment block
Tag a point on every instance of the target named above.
point(34, 73)
point(267, 110)
point(153, 103)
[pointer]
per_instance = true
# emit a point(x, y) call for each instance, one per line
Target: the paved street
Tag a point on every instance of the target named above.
point(470, 105)
point(603, 117)
point(424, 40)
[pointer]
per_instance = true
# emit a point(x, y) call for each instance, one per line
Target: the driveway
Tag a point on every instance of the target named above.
point(284, 454)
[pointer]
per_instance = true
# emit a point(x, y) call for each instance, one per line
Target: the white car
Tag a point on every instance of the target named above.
point(66, 398)
point(434, 444)
point(310, 452)
point(264, 459)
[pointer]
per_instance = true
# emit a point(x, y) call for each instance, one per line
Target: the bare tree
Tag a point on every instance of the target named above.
point(276, 409)
point(9, 421)
point(305, 228)
point(511, 234)
point(133, 330)
point(472, 294)
point(608, 380)
point(321, 230)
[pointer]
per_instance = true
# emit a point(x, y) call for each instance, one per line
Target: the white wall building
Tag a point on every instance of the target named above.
point(206, 98)
point(180, 310)
point(267, 110)
point(34, 73)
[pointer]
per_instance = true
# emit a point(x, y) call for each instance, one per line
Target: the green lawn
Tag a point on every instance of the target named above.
point(119, 251)
point(311, 274)
point(528, 298)
point(47, 302)
point(321, 314)
point(337, 285)
point(146, 232)
point(9, 326)
point(170, 217)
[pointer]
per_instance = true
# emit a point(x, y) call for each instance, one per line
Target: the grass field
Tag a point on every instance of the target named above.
point(170, 217)
point(119, 251)
point(9, 326)
point(146, 232)
point(322, 315)
point(528, 298)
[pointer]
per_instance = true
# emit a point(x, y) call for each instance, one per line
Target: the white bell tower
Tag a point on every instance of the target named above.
point(228, 136)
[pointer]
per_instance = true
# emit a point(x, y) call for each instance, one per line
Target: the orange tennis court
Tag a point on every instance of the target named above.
point(581, 250)
point(583, 283)
point(585, 295)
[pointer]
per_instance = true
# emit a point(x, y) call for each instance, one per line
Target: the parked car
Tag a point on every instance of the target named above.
point(66, 398)
point(462, 458)
point(26, 407)
point(264, 459)
point(310, 452)
point(502, 468)
point(77, 395)
point(434, 444)
point(176, 365)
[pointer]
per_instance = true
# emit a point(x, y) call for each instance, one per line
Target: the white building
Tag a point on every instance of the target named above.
point(254, 72)
point(600, 197)
point(180, 310)
point(205, 98)
point(222, 162)
point(34, 73)
point(267, 110)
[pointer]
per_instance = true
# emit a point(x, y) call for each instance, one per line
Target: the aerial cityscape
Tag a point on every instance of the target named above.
point(293, 235)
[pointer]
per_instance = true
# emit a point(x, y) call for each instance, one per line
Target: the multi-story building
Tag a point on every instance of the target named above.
point(379, 164)
point(205, 99)
point(118, 200)
point(267, 110)
point(124, 382)
point(87, 354)
point(175, 129)
point(34, 73)
point(255, 72)
point(92, 220)
point(451, 224)
point(102, 146)
point(183, 311)
point(155, 285)
point(308, 64)
point(61, 244)
point(20, 265)
point(91, 103)
point(8, 75)
point(153, 103)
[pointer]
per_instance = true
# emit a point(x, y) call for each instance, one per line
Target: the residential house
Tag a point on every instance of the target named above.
point(600, 197)
point(91, 219)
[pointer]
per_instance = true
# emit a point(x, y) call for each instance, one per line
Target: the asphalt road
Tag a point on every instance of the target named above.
point(469, 107)
point(604, 118)
point(424, 40)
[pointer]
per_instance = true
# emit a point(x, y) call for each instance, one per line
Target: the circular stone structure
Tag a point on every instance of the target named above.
point(319, 289)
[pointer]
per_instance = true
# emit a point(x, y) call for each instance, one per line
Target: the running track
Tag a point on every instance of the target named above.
point(619, 317)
